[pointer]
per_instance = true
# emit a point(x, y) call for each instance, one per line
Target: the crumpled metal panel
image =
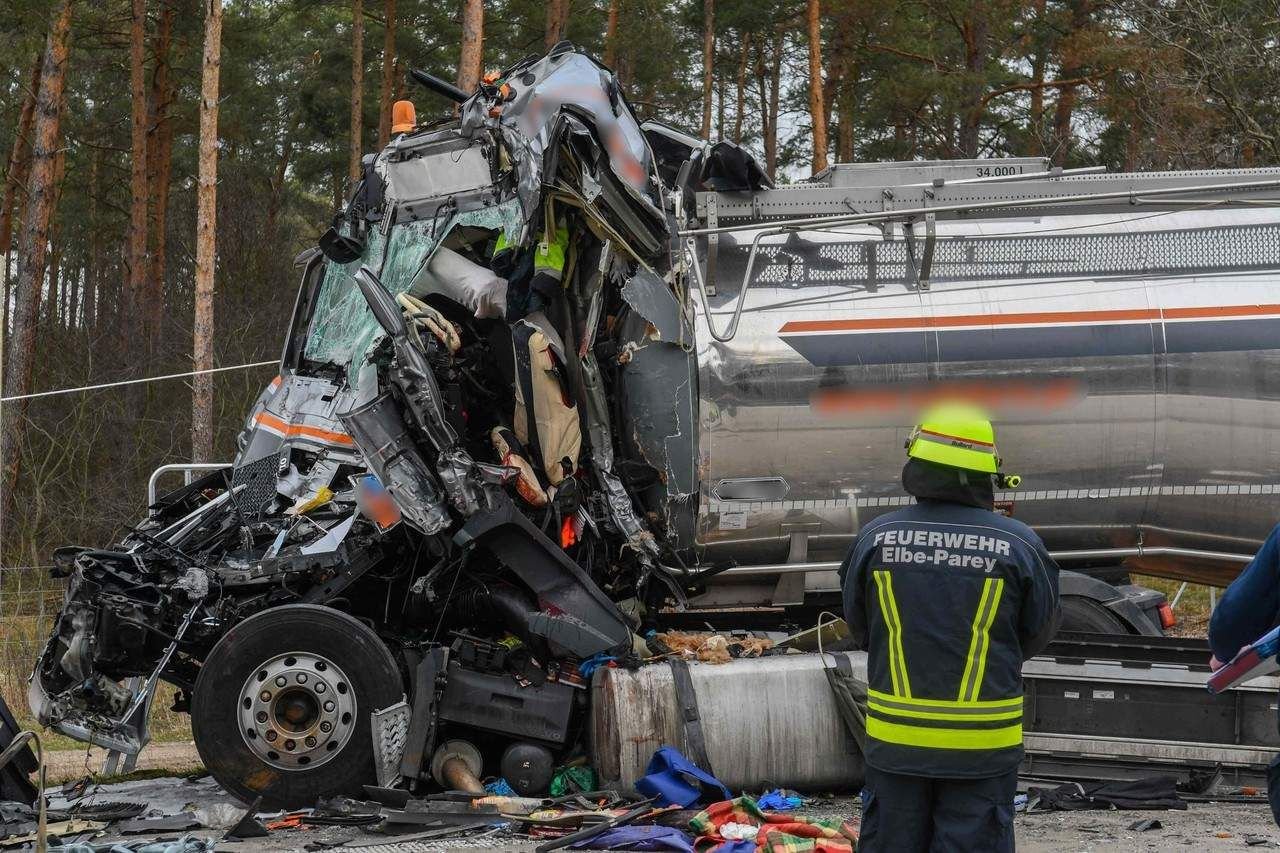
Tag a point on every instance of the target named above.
point(543, 91)
point(652, 297)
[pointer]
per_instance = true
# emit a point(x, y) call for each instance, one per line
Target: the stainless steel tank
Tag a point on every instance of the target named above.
point(771, 719)
point(1129, 361)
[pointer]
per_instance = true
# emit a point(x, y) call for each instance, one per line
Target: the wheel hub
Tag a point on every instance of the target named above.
point(297, 711)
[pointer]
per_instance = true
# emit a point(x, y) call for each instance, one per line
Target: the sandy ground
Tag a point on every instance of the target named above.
point(65, 764)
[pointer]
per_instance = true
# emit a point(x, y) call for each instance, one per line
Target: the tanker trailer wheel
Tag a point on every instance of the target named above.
point(1085, 616)
point(281, 708)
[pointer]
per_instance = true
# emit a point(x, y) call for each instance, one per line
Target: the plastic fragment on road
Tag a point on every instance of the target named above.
point(779, 800)
point(572, 780)
point(675, 780)
point(639, 838)
point(499, 787)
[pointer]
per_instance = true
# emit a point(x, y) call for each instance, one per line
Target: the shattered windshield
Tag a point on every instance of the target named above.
point(343, 331)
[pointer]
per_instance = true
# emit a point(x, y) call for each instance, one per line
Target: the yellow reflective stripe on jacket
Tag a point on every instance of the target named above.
point(980, 641)
point(889, 610)
point(939, 738)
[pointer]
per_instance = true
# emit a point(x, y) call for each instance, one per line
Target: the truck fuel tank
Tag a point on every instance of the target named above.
point(772, 718)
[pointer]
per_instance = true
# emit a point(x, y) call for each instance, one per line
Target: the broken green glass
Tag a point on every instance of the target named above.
point(343, 331)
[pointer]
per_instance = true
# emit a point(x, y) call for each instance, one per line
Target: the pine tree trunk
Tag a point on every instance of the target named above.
point(845, 116)
point(471, 60)
point(720, 87)
point(19, 161)
point(552, 32)
point(357, 92)
point(160, 168)
point(388, 76)
point(566, 8)
point(206, 236)
point(138, 170)
point(611, 34)
point(53, 291)
point(57, 287)
point(775, 75)
point(817, 107)
point(1071, 68)
point(73, 300)
point(94, 272)
point(762, 94)
point(708, 61)
point(975, 31)
point(1035, 135)
point(277, 183)
point(742, 88)
point(35, 234)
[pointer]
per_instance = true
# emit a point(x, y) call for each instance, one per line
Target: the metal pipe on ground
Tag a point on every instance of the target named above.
point(457, 765)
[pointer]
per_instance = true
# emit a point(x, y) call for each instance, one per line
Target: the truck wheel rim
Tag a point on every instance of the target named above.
point(297, 711)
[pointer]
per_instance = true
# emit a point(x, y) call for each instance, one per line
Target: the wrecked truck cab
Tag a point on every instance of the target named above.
point(475, 471)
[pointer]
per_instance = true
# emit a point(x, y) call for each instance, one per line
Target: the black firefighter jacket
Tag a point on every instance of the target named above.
point(948, 600)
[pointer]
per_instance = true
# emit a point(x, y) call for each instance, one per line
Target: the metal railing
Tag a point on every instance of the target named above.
point(188, 470)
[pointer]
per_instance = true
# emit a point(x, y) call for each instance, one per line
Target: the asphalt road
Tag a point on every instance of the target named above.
point(1203, 826)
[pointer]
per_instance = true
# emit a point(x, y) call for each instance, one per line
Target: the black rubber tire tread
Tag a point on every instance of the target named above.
point(1086, 616)
point(341, 638)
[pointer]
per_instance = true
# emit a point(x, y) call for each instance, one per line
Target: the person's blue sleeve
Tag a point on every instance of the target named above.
point(1251, 605)
point(1041, 611)
point(853, 583)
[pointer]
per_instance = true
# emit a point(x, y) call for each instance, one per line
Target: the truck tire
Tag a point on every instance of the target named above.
point(282, 707)
point(1086, 616)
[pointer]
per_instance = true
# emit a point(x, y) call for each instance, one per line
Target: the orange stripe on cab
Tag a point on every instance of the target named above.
point(271, 422)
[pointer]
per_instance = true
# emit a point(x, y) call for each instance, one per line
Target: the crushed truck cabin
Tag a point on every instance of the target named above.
point(556, 378)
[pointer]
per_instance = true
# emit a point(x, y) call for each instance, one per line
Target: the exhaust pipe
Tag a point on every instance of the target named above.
point(440, 87)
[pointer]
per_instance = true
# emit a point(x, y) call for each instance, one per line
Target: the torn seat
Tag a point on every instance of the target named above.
point(546, 417)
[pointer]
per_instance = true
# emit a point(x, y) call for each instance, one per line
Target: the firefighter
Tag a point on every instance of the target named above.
point(948, 598)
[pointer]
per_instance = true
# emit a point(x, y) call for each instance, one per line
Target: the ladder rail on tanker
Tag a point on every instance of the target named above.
point(1161, 190)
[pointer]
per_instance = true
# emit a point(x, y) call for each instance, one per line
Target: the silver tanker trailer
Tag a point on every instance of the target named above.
point(1123, 330)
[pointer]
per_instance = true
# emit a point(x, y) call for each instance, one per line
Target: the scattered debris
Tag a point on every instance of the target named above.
point(1145, 825)
point(779, 800)
point(747, 823)
point(167, 823)
point(248, 826)
point(1153, 792)
point(711, 648)
point(672, 779)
